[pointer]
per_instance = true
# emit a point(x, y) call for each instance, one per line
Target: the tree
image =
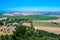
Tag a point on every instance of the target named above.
point(8, 37)
point(1, 23)
point(19, 33)
point(28, 33)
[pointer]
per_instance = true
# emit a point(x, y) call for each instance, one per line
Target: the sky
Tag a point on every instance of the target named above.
point(30, 5)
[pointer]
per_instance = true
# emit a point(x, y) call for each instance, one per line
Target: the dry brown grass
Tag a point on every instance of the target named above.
point(4, 33)
point(6, 30)
point(8, 14)
point(49, 29)
point(26, 24)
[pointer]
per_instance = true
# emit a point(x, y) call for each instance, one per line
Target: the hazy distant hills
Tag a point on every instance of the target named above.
point(34, 13)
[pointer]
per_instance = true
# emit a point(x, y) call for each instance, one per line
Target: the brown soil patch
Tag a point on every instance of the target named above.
point(6, 30)
point(8, 14)
point(49, 29)
point(4, 33)
point(26, 24)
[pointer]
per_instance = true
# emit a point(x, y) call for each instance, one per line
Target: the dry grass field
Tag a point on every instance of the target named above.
point(47, 25)
point(49, 29)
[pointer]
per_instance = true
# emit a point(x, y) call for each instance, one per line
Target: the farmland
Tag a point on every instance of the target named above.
point(30, 26)
point(46, 24)
point(32, 17)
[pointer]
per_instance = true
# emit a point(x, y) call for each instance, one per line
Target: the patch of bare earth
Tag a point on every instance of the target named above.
point(49, 29)
point(26, 24)
point(6, 30)
point(8, 14)
point(4, 33)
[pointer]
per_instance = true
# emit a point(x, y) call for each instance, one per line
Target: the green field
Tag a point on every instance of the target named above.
point(35, 17)
point(46, 24)
point(32, 17)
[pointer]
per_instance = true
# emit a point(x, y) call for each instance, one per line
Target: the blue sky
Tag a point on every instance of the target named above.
point(29, 5)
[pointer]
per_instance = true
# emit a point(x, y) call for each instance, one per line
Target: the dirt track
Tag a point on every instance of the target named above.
point(49, 29)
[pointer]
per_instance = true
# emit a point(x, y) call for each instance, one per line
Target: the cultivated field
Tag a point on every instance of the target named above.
point(41, 22)
point(48, 25)
point(49, 29)
point(32, 17)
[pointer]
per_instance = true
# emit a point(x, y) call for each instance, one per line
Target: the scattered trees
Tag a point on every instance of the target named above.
point(27, 33)
point(54, 23)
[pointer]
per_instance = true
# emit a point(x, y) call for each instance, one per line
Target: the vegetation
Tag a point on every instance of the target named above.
point(32, 17)
point(27, 33)
point(5, 37)
point(47, 24)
